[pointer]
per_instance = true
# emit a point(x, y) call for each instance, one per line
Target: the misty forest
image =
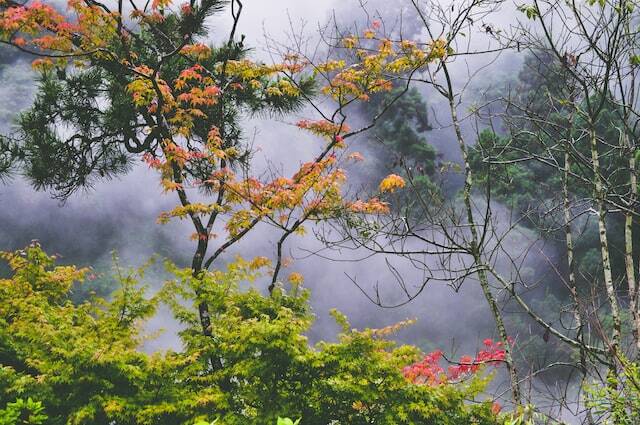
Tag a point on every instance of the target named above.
point(293, 212)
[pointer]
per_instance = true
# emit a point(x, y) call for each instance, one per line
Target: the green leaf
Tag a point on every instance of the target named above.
point(531, 11)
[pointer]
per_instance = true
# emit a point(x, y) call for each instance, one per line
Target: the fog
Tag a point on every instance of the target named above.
point(120, 214)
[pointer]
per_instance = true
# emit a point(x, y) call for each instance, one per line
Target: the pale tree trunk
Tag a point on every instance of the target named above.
point(600, 198)
point(573, 287)
point(628, 247)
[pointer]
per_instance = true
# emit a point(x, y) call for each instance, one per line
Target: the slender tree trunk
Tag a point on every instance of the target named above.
point(196, 270)
point(201, 250)
point(197, 260)
point(600, 194)
point(201, 231)
point(476, 251)
point(628, 247)
point(573, 287)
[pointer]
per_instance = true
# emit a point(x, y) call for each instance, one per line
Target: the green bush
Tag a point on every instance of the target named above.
point(82, 361)
point(23, 412)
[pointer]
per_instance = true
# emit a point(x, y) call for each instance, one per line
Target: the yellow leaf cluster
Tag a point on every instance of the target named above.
point(391, 183)
point(296, 278)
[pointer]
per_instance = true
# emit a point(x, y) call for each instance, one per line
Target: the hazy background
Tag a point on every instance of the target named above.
point(120, 214)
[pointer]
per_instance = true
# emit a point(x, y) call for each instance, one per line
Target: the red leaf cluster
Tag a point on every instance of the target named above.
point(430, 372)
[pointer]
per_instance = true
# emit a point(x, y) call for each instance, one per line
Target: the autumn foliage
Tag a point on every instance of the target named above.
point(429, 371)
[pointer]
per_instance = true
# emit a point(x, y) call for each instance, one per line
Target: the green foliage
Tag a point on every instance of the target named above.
point(82, 362)
point(531, 11)
point(513, 183)
point(23, 412)
point(402, 124)
point(525, 415)
point(15, 91)
point(401, 128)
point(97, 145)
point(600, 3)
point(524, 165)
point(6, 158)
point(524, 168)
point(619, 401)
point(72, 358)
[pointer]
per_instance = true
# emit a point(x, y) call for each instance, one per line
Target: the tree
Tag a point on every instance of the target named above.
point(113, 89)
point(81, 363)
point(573, 128)
point(456, 236)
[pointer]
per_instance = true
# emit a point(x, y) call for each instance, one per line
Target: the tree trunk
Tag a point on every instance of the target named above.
point(600, 198)
point(573, 287)
point(196, 270)
point(628, 248)
point(476, 252)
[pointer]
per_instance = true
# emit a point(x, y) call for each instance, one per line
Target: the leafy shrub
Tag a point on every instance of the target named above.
point(23, 412)
point(83, 364)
